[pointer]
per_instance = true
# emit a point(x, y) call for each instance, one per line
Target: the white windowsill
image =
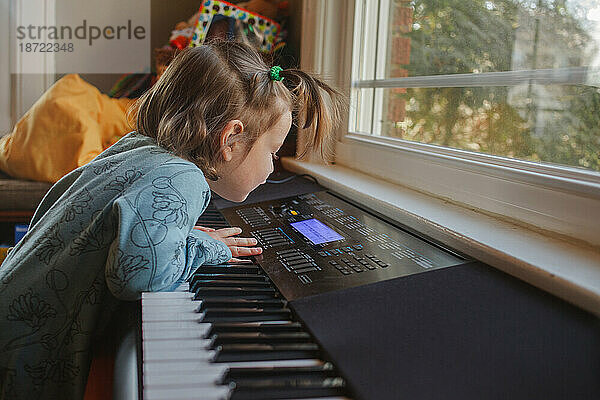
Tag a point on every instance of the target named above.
point(568, 270)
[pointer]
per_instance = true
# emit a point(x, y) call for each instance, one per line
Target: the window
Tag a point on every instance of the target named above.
point(511, 78)
point(433, 110)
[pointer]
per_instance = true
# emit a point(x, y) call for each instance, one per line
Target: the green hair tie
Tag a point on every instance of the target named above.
point(274, 73)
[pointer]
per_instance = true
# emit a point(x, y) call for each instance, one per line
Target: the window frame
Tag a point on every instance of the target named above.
point(5, 92)
point(25, 88)
point(554, 199)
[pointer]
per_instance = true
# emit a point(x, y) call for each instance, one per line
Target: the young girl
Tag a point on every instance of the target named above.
point(124, 223)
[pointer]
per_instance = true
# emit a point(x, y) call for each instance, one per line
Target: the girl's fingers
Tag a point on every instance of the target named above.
point(244, 251)
point(204, 228)
point(241, 241)
point(225, 232)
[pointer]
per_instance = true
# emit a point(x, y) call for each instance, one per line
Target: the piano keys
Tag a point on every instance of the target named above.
point(230, 344)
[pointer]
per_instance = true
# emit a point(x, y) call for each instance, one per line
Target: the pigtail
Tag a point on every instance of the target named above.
point(318, 108)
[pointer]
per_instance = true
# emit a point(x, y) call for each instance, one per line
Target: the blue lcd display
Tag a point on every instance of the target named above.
point(316, 231)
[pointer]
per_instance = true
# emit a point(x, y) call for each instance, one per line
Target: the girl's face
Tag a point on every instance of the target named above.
point(240, 173)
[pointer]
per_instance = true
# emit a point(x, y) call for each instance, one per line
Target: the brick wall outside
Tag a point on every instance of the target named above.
point(399, 58)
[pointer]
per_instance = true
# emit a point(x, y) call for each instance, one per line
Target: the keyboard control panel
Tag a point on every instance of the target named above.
point(326, 243)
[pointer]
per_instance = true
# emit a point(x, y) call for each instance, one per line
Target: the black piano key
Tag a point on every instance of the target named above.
point(288, 389)
point(232, 348)
point(259, 337)
point(290, 382)
point(242, 303)
point(228, 277)
point(211, 217)
point(214, 217)
point(244, 315)
point(262, 352)
point(214, 223)
point(230, 269)
point(326, 369)
point(218, 297)
point(232, 327)
point(230, 283)
point(250, 293)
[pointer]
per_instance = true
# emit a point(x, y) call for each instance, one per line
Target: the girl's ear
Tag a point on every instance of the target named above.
point(230, 135)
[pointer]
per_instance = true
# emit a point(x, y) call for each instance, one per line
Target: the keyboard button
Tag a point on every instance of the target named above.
point(303, 265)
point(303, 270)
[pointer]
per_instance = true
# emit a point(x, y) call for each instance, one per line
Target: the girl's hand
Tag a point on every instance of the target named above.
point(239, 246)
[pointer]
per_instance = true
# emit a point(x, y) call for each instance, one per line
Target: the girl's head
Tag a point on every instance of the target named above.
point(217, 106)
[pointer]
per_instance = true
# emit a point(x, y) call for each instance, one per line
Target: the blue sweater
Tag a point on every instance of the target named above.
point(118, 226)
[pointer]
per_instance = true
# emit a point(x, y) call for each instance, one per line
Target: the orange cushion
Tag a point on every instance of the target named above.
point(66, 128)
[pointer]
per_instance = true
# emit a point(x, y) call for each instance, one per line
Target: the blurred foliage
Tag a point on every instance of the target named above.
point(551, 123)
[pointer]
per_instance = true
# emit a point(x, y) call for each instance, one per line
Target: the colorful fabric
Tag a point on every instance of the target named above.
point(260, 31)
point(65, 128)
point(105, 232)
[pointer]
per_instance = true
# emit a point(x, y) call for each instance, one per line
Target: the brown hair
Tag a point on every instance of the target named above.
point(207, 86)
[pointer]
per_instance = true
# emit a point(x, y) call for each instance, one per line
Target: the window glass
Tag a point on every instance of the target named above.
point(546, 105)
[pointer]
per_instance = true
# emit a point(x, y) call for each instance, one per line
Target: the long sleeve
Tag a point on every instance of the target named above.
point(55, 192)
point(117, 226)
point(156, 245)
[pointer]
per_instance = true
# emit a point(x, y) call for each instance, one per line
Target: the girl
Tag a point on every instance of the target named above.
point(124, 223)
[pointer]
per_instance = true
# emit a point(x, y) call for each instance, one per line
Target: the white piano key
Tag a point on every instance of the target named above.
point(174, 302)
point(209, 376)
point(180, 319)
point(207, 370)
point(152, 305)
point(168, 296)
point(199, 332)
point(163, 295)
point(171, 317)
point(175, 344)
point(189, 367)
point(177, 324)
point(171, 309)
point(166, 303)
point(205, 393)
point(174, 354)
